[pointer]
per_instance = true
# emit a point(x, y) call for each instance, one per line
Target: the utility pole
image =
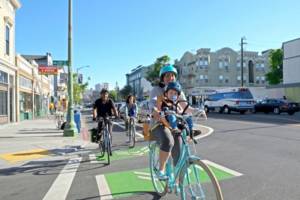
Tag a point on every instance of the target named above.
point(70, 129)
point(242, 60)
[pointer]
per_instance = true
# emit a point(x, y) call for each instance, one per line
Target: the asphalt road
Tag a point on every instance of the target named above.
point(262, 149)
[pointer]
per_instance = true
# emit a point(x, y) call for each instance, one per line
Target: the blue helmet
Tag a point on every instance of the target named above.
point(167, 68)
point(174, 86)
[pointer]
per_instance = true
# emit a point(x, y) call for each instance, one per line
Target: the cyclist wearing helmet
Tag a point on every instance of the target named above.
point(168, 103)
point(169, 144)
point(104, 107)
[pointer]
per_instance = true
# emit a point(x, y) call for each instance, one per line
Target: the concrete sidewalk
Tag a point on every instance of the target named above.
point(34, 139)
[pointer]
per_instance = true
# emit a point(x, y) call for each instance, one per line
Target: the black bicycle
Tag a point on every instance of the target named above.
point(105, 142)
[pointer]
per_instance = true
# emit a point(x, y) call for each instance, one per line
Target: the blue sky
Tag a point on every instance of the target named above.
point(114, 36)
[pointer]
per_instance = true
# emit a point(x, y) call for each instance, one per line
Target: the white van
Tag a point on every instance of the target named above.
point(231, 99)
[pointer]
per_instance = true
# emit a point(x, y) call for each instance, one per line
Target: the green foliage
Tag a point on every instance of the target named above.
point(78, 90)
point(153, 75)
point(113, 95)
point(275, 75)
point(125, 91)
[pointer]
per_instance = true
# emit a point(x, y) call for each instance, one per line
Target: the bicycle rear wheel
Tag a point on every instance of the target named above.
point(197, 181)
point(131, 134)
point(160, 186)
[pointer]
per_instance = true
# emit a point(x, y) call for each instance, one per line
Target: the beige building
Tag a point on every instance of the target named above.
point(8, 68)
point(291, 69)
point(206, 69)
point(33, 91)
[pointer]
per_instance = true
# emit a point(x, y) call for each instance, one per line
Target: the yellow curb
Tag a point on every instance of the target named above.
point(24, 155)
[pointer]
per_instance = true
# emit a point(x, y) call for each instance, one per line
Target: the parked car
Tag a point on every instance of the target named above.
point(143, 111)
point(276, 106)
point(230, 99)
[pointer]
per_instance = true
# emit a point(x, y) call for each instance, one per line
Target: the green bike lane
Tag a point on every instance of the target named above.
point(114, 185)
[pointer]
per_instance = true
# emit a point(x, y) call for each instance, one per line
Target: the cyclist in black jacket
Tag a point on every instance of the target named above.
point(104, 107)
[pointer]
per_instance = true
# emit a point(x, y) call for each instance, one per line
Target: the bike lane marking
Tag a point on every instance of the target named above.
point(128, 183)
point(121, 154)
point(62, 184)
point(104, 190)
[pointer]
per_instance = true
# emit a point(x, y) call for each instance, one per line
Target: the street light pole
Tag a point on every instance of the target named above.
point(242, 60)
point(70, 129)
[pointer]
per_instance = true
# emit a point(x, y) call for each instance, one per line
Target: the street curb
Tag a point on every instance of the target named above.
point(204, 134)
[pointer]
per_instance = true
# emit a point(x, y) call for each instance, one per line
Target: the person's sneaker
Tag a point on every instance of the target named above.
point(162, 176)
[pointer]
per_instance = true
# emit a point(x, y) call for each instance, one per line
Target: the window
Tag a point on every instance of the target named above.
point(238, 63)
point(3, 102)
point(25, 82)
point(263, 79)
point(201, 77)
point(206, 78)
point(7, 34)
point(221, 78)
point(3, 77)
point(257, 79)
point(220, 64)
point(226, 80)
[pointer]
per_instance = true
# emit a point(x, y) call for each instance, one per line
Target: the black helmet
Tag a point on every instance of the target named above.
point(174, 86)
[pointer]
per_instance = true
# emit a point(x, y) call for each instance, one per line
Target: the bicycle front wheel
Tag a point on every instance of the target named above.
point(160, 186)
point(197, 181)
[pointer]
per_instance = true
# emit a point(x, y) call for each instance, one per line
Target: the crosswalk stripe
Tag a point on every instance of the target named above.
point(92, 158)
point(62, 183)
point(104, 190)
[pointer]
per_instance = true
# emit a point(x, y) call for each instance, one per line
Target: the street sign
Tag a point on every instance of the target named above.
point(60, 63)
point(48, 70)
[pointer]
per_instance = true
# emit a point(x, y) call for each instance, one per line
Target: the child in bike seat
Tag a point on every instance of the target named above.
point(167, 102)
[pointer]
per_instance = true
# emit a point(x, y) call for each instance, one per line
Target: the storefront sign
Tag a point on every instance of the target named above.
point(48, 70)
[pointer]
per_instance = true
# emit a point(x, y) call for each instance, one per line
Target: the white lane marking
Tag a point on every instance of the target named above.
point(92, 158)
point(230, 171)
point(104, 191)
point(142, 173)
point(145, 178)
point(137, 133)
point(62, 183)
point(210, 130)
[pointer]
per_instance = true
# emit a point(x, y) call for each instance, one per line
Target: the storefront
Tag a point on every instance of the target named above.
point(3, 97)
point(25, 98)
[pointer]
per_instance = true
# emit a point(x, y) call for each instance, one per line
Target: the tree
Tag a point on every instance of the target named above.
point(275, 75)
point(153, 75)
point(78, 89)
point(125, 91)
point(113, 95)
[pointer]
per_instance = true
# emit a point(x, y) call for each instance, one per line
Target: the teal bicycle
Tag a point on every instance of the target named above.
point(196, 180)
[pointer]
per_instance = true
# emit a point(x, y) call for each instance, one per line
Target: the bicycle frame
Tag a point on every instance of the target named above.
point(173, 172)
point(132, 131)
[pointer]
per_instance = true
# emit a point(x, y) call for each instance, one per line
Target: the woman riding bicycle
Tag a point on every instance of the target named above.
point(131, 110)
point(169, 143)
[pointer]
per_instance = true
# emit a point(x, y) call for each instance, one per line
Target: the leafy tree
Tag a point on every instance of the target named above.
point(125, 91)
point(153, 75)
point(275, 75)
point(78, 90)
point(113, 95)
